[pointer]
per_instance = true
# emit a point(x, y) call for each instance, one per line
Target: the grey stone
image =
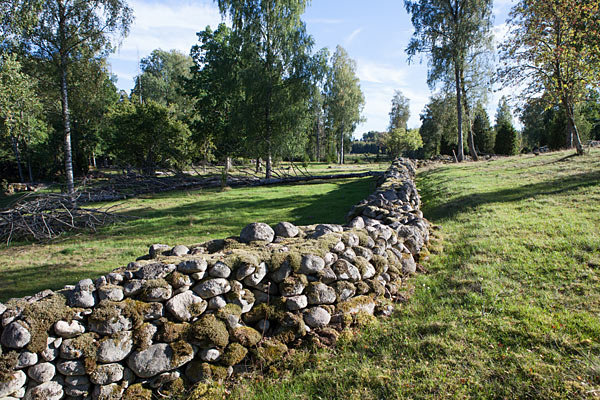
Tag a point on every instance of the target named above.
point(26, 359)
point(186, 306)
point(110, 326)
point(153, 311)
point(46, 391)
point(292, 286)
point(81, 298)
point(244, 270)
point(108, 392)
point(68, 330)
point(107, 373)
point(157, 249)
point(164, 378)
point(409, 266)
point(2, 308)
point(43, 372)
point(77, 391)
point(216, 303)
point(281, 273)
point(111, 292)
point(114, 278)
point(219, 270)
point(212, 287)
point(192, 266)
point(157, 293)
point(344, 290)
point(330, 258)
point(52, 349)
point(181, 281)
point(71, 367)
point(154, 271)
point(257, 276)
point(296, 303)
point(311, 264)
point(357, 223)
point(116, 347)
point(348, 254)
point(327, 275)
point(86, 285)
point(12, 384)
point(179, 250)
point(15, 335)
point(209, 355)
point(198, 276)
point(71, 349)
point(77, 380)
point(317, 317)
point(345, 271)
point(257, 231)
point(339, 247)
point(133, 287)
point(364, 252)
point(319, 293)
point(159, 358)
point(286, 230)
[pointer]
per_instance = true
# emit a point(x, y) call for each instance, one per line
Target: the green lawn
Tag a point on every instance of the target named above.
point(510, 310)
point(172, 218)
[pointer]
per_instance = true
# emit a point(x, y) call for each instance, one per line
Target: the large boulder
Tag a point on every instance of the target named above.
point(160, 358)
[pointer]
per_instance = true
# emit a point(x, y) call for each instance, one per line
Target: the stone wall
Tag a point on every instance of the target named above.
point(182, 315)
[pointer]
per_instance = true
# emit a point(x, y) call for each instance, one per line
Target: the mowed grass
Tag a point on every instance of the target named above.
point(173, 218)
point(510, 310)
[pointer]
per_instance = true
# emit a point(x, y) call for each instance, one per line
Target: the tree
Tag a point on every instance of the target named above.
point(275, 53)
point(344, 99)
point(438, 125)
point(69, 32)
point(146, 136)
point(554, 47)
point(19, 108)
point(400, 140)
point(163, 78)
point(483, 133)
point(455, 33)
point(400, 112)
point(507, 137)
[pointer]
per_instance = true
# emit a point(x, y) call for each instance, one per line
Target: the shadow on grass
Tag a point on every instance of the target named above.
point(461, 204)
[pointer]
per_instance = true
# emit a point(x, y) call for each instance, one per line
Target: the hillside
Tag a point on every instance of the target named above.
point(509, 310)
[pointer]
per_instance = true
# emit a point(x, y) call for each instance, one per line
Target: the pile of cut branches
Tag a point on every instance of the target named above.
point(43, 217)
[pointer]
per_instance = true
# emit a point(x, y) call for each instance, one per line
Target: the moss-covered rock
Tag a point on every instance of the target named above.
point(172, 331)
point(8, 362)
point(270, 351)
point(137, 392)
point(229, 309)
point(380, 263)
point(234, 354)
point(197, 371)
point(210, 331)
point(246, 336)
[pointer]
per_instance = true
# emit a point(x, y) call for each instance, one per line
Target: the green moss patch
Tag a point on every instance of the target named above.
point(210, 331)
point(246, 336)
point(234, 354)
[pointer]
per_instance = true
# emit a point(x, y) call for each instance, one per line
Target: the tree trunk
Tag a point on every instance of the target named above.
point(15, 146)
point(460, 150)
point(342, 146)
point(572, 131)
point(67, 125)
point(471, 135)
point(258, 165)
point(318, 131)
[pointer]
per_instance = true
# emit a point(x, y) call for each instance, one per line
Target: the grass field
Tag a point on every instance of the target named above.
point(510, 310)
point(172, 218)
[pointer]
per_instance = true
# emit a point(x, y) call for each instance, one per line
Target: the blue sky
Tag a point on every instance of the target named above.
point(375, 36)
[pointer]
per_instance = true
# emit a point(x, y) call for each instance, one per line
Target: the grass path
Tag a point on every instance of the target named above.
point(172, 218)
point(510, 310)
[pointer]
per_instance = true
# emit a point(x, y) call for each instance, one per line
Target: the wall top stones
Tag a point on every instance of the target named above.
point(181, 315)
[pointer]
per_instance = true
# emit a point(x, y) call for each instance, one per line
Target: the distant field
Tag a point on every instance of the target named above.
point(510, 310)
point(183, 217)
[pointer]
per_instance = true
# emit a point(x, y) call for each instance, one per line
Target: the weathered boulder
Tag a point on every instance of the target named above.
point(317, 317)
point(286, 230)
point(68, 330)
point(311, 264)
point(160, 358)
point(212, 287)
point(12, 384)
point(257, 231)
point(186, 306)
point(15, 335)
point(116, 347)
point(46, 391)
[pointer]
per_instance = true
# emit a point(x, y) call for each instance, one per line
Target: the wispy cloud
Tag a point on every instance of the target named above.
point(369, 71)
point(350, 38)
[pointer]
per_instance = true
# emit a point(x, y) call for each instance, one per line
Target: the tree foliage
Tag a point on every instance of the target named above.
point(400, 112)
point(454, 33)
point(507, 138)
point(484, 135)
point(553, 47)
point(400, 140)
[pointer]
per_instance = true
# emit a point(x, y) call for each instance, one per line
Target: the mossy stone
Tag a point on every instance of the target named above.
point(8, 362)
point(380, 263)
point(210, 331)
point(270, 351)
point(137, 392)
point(229, 309)
point(246, 336)
point(172, 331)
point(234, 354)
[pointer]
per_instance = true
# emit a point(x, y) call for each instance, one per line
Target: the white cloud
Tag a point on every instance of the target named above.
point(369, 71)
point(350, 38)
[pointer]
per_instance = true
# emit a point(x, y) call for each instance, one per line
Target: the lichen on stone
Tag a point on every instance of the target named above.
point(173, 331)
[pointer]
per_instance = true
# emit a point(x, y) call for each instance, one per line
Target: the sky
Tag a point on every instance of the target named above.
point(374, 33)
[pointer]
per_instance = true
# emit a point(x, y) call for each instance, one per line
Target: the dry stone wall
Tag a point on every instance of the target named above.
point(183, 315)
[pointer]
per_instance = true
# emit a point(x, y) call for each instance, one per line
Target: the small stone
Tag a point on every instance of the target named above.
point(112, 293)
point(43, 372)
point(348, 254)
point(311, 264)
point(164, 378)
point(281, 273)
point(68, 330)
point(86, 285)
point(409, 266)
point(70, 367)
point(72, 349)
point(345, 271)
point(186, 306)
point(108, 392)
point(296, 303)
point(216, 303)
point(179, 250)
point(358, 223)
point(114, 278)
point(327, 275)
point(219, 270)
point(318, 293)
point(257, 276)
point(133, 287)
point(116, 347)
point(157, 249)
point(257, 231)
point(160, 358)
point(209, 355)
point(26, 359)
point(244, 270)
point(192, 266)
point(157, 293)
point(81, 298)
point(15, 335)
point(107, 373)
point(47, 391)
point(212, 287)
point(110, 326)
point(154, 271)
point(317, 317)
point(286, 230)
point(198, 276)
point(52, 350)
point(13, 383)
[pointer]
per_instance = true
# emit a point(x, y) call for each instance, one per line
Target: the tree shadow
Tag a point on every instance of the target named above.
point(549, 187)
